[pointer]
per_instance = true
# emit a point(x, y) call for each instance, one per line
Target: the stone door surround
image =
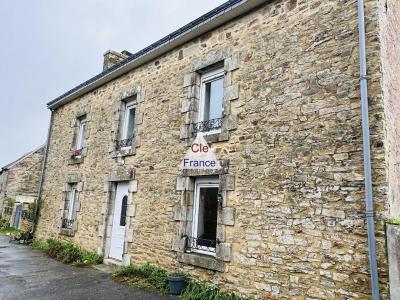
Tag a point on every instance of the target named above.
point(107, 211)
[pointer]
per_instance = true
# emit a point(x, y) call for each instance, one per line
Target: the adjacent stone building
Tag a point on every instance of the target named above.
point(274, 88)
point(19, 186)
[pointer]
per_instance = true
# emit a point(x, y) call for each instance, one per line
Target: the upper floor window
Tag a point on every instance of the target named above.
point(211, 97)
point(128, 124)
point(80, 137)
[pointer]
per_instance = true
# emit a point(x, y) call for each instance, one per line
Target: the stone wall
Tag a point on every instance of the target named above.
point(294, 153)
point(23, 177)
point(389, 31)
point(393, 240)
point(3, 186)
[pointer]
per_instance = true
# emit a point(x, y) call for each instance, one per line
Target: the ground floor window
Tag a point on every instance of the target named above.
point(205, 211)
point(69, 206)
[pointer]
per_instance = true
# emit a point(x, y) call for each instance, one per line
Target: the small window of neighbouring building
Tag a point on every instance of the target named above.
point(211, 97)
point(205, 211)
point(69, 206)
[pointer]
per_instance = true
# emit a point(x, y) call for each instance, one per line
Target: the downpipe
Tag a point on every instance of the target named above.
point(43, 168)
point(369, 208)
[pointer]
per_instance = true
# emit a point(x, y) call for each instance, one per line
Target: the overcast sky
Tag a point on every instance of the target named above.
point(47, 47)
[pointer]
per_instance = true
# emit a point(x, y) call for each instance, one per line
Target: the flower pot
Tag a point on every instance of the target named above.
point(176, 284)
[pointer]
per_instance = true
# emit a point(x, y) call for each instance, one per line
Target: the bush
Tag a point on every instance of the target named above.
point(4, 223)
point(23, 237)
point(67, 252)
point(9, 201)
point(41, 245)
point(200, 291)
point(91, 258)
point(11, 231)
point(144, 276)
point(393, 220)
point(177, 274)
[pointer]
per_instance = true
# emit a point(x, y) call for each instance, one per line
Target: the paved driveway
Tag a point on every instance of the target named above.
point(29, 274)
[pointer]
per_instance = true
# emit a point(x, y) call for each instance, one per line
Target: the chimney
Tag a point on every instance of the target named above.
point(112, 57)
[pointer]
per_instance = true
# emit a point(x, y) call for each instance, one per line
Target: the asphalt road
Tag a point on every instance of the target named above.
point(29, 274)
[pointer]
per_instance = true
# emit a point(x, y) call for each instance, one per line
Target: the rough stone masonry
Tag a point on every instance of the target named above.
point(291, 222)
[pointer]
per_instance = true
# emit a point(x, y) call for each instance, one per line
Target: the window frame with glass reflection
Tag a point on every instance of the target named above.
point(205, 214)
point(211, 99)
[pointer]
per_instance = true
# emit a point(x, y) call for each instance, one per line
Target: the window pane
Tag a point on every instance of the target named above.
point(124, 207)
point(69, 204)
point(207, 218)
point(72, 200)
point(66, 206)
point(213, 99)
point(81, 134)
point(131, 123)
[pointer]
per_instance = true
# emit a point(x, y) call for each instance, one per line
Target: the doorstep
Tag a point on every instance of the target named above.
point(106, 268)
point(112, 262)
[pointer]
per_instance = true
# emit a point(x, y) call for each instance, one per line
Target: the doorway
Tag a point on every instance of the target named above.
point(119, 221)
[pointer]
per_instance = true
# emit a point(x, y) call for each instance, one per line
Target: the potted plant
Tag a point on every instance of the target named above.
point(177, 282)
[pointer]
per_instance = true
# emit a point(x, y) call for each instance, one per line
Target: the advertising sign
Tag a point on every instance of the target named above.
point(200, 156)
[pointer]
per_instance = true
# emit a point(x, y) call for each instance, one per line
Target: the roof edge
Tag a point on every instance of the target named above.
point(11, 164)
point(211, 20)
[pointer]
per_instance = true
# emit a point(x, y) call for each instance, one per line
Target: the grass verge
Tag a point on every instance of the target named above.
point(143, 276)
point(10, 231)
point(196, 290)
point(67, 252)
point(151, 277)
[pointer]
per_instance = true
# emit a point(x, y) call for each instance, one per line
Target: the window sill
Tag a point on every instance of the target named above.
point(67, 231)
point(203, 261)
point(201, 252)
point(215, 136)
point(211, 132)
point(123, 152)
point(75, 160)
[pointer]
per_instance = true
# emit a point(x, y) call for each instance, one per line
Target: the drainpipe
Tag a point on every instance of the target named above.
point(369, 208)
point(37, 202)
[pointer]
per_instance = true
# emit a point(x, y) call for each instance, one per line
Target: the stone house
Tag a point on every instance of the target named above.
point(19, 187)
point(274, 87)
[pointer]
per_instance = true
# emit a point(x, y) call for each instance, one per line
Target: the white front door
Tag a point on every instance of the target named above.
point(119, 221)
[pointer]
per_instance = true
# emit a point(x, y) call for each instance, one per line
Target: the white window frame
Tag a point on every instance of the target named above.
point(128, 107)
point(72, 199)
point(201, 183)
point(80, 137)
point(206, 78)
